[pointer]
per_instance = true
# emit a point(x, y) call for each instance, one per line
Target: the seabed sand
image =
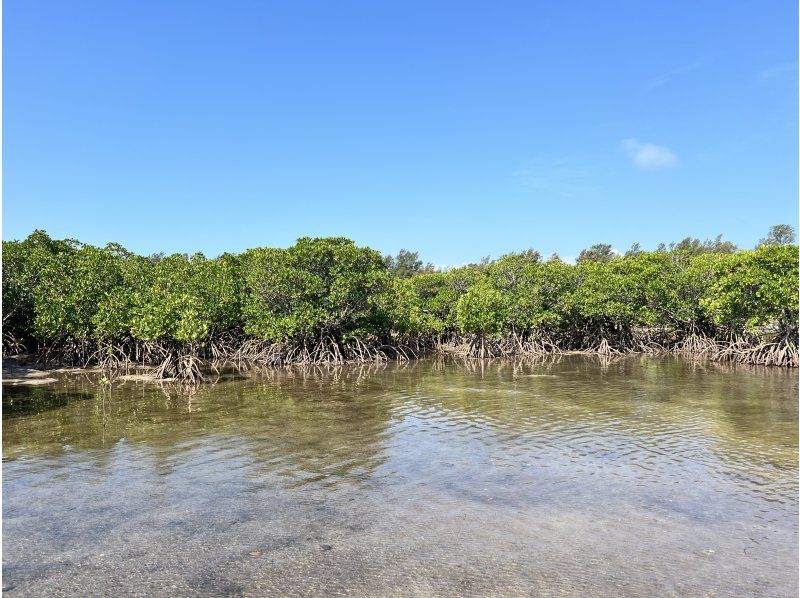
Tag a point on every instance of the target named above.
point(652, 477)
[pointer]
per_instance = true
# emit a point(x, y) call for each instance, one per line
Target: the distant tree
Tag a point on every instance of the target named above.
point(528, 255)
point(635, 249)
point(599, 252)
point(718, 245)
point(780, 234)
point(694, 246)
point(689, 245)
point(406, 264)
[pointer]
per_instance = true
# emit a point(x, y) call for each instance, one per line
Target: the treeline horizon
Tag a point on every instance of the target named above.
point(327, 300)
point(407, 263)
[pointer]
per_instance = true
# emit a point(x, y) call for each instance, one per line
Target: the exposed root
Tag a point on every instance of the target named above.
point(188, 363)
point(483, 347)
point(185, 367)
point(603, 348)
point(109, 357)
point(696, 345)
point(326, 350)
point(780, 352)
point(12, 345)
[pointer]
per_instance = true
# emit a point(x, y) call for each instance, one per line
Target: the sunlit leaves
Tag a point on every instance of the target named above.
point(63, 290)
point(317, 287)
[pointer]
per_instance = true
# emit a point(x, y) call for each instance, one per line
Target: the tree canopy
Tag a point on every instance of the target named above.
point(62, 292)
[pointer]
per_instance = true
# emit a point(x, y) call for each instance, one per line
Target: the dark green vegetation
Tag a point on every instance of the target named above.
point(329, 301)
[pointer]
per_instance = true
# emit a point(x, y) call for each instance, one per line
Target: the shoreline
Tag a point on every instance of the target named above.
point(34, 370)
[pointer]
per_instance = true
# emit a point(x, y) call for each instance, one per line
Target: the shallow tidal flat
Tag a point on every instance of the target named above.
point(578, 476)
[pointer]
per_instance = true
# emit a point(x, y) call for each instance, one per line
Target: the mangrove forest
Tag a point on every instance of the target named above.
point(327, 300)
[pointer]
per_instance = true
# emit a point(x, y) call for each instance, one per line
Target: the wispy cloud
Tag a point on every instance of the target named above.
point(649, 156)
point(778, 70)
point(560, 177)
point(668, 76)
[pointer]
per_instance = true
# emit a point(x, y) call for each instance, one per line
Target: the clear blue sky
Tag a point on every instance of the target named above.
point(458, 129)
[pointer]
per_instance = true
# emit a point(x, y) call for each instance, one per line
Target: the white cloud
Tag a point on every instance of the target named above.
point(649, 156)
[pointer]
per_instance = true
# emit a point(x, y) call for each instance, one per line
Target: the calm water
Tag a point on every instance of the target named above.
point(644, 476)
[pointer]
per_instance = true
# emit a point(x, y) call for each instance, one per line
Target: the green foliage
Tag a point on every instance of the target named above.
point(186, 299)
point(611, 294)
point(71, 287)
point(317, 287)
point(426, 303)
point(420, 305)
point(24, 263)
point(482, 310)
point(752, 289)
point(116, 312)
point(686, 284)
point(534, 292)
point(56, 291)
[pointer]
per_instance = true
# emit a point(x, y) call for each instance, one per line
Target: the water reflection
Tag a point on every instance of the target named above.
point(425, 452)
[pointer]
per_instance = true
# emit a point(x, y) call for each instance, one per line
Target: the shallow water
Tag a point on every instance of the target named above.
point(641, 476)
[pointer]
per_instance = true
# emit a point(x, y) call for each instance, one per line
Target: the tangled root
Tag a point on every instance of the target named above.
point(187, 362)
point(477, 347)
point(696, 345)
point(184, 367)
point(109, 357)
point(605, 349)
point(325, 351)
point(12, 345)
point(782, 353)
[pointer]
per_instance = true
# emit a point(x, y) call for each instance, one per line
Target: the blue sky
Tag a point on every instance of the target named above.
point(458, 129)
